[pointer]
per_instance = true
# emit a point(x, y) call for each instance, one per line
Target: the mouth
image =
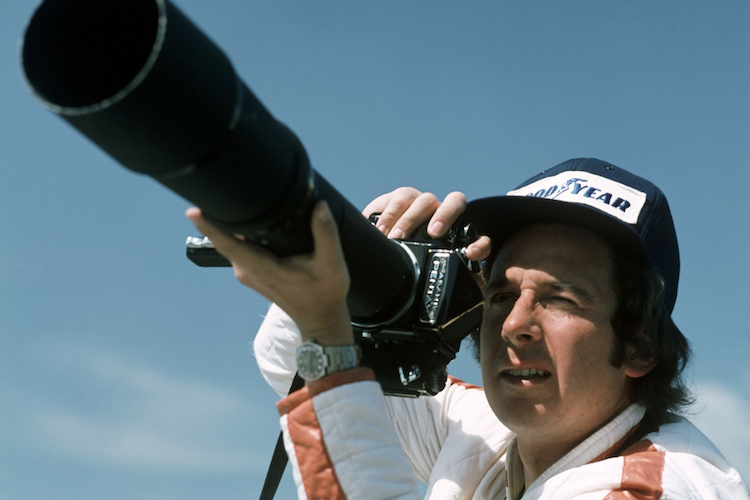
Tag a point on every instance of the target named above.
point(526, 374)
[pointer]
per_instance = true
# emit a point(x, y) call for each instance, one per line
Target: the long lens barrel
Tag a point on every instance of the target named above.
point(140, 80)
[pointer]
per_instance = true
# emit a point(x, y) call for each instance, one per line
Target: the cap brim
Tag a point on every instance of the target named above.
point(500, 216)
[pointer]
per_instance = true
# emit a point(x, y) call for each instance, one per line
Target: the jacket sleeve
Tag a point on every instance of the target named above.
point(341, 443)
point(458, 418)
point(275, 348)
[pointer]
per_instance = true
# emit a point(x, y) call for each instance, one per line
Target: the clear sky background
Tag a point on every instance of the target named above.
point(125, 370)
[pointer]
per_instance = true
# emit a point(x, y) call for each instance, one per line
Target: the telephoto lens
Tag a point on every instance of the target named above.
point(140, 80)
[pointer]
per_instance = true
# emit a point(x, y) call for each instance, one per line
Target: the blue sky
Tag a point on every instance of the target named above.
point(125, 371)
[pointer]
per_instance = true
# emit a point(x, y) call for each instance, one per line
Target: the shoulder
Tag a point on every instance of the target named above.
point(692, 465)
point(676, 461)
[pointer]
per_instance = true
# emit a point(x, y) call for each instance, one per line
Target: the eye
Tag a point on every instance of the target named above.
point(502, 298)
point(557, 301)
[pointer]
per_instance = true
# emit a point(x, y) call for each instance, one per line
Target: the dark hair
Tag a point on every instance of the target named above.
point(643, 329)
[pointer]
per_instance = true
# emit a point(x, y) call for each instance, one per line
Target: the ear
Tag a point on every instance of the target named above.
point(640, 363)
point(638, 367)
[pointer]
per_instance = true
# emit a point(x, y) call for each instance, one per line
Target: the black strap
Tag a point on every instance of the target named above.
point(275, 470)
point(279, 458)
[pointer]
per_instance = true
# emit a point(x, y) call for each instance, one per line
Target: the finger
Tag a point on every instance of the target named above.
point(225, 243)
point(417, 213)
point(201, 223)
point(328, 253)
point(447, 214)
point(480, 249)
point(377, 205)
point(243, 256)
point(392, 206)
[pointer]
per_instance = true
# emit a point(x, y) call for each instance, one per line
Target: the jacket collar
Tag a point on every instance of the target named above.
point(600, 445)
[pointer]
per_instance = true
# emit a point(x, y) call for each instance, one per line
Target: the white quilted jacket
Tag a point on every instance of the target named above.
point(346, 440)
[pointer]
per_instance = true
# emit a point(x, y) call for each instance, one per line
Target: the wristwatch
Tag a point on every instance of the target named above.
point(315, 361)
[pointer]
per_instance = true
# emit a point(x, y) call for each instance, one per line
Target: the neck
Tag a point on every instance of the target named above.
point(537, 457)
point(539, 452)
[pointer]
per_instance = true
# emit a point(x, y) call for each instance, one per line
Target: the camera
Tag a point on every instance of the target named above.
point(146, 85)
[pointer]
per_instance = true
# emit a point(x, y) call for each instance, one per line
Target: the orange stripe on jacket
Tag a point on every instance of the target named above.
point(641, 473)
point(320, 481)
point(315, 465)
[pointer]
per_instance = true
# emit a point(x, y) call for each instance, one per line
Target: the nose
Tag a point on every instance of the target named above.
point(521, 325)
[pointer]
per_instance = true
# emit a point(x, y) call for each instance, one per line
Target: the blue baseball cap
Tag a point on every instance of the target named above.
point(628, 211)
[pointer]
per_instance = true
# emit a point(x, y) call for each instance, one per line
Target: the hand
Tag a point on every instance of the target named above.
point(310, 288)
point(405, 209)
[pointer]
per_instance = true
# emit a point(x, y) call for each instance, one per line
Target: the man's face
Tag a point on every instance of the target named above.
point(546, 336)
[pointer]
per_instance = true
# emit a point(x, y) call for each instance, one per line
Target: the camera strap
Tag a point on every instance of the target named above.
point(279, 458)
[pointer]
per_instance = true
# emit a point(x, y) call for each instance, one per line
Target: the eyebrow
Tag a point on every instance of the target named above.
point(576, 290)
point(558, 284)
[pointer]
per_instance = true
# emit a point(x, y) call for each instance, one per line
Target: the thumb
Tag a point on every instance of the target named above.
point(326, 236)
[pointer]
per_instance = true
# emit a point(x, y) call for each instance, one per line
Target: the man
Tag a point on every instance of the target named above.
point(580, 359)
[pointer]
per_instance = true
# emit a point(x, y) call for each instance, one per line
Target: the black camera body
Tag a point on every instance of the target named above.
point(141, 81)
point(409, 352)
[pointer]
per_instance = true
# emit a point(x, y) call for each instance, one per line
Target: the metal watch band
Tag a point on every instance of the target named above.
point(341, 357)
point(315, 361)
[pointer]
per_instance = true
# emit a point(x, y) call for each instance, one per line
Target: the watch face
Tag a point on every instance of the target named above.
point(310, 362)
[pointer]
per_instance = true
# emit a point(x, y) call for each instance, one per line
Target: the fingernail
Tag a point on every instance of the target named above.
point(436, 228)
point(396, 234)
point(324, 213)
point(468, 253)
